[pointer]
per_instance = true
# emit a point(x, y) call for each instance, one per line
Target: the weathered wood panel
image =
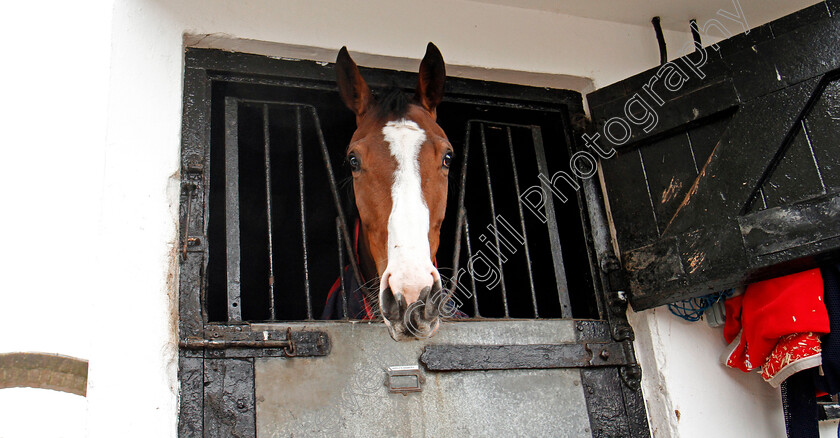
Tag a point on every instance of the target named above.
point(762, 125)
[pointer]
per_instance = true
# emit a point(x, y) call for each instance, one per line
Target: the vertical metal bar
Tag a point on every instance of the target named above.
point(339, 239)
point(583, 199)
point(601, 242)
point(267, 143)
point(461, 220)
point(299, 126)
point(493, 214)
point(456, 252)
point(469, 257)
point(522, 222)
point(232, 209)
point(553, 233)
point(336, 198)
point(190, 188)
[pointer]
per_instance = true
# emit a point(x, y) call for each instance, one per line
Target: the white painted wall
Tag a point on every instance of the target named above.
point(91, 121)
point(55, 73)
point(682, 372)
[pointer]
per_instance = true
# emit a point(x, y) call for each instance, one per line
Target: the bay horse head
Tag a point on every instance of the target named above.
point(400, 159)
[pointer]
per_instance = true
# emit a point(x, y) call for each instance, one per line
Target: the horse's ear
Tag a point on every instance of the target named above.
point(430, 80)
point(353, 88)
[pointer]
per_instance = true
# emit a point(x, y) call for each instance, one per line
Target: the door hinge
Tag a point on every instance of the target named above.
point(615, 276)
point(617, 300)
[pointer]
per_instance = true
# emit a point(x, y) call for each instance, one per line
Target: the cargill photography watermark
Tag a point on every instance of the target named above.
point(640, 113)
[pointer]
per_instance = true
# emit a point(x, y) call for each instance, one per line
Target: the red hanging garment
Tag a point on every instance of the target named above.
point(785, 314)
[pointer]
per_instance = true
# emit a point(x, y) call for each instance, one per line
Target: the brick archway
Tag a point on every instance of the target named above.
point(44, 370)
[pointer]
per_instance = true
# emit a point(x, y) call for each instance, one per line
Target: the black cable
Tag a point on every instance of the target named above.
point(695, 32)
point(663, 52)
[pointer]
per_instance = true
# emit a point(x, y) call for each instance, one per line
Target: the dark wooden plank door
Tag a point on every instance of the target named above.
point(730, 172)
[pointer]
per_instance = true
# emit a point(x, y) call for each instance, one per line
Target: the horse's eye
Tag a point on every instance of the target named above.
point(447, 159)
point(355, 163)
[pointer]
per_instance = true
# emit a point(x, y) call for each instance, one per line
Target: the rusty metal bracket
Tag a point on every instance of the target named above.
point(607, 354)
point(241, 341)
point(190, 189)
point(193, 174)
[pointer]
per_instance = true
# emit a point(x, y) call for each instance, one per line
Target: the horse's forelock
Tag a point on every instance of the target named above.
point(393, 103)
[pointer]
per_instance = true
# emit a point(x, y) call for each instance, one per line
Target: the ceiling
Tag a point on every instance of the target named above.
point(674, 13)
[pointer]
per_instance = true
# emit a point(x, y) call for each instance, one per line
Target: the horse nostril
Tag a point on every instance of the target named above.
point(390, 306)
point(424, 294)
point(402, 305)
point(433, 304)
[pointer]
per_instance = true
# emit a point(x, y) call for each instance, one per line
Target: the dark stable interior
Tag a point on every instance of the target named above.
point(338, 124)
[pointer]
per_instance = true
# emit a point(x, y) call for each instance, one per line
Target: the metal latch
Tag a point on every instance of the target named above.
point(404, 379)
point(241, 341)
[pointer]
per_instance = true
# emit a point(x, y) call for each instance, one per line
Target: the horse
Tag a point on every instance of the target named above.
point(399, 158)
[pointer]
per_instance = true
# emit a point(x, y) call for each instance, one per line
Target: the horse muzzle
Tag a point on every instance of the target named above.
point(418, 320)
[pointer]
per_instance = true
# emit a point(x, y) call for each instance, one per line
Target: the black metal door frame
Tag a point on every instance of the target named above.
point(216, 361)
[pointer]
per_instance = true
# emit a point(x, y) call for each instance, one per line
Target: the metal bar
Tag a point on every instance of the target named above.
point(491, 122)
point(493, 215)
point(292, 342)
point(469, 257)
point(519, 105)
point(461, 221)
point(330, 173)
point(463, 183)
point(341, 267)
point(553, 233)
point(336, 198)
point(232, 209)
point(456, 253)
point(522, 221)
point(191, 188)
point(218, 344)
point(602, 244)
point(267, 143)
point(299, 125)
point(584, 199)
point(442, 357)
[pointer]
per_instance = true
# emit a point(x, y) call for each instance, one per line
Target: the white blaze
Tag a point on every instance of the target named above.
point(409, 267)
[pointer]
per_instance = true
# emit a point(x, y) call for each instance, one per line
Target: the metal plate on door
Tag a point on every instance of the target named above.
point(404, 379)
